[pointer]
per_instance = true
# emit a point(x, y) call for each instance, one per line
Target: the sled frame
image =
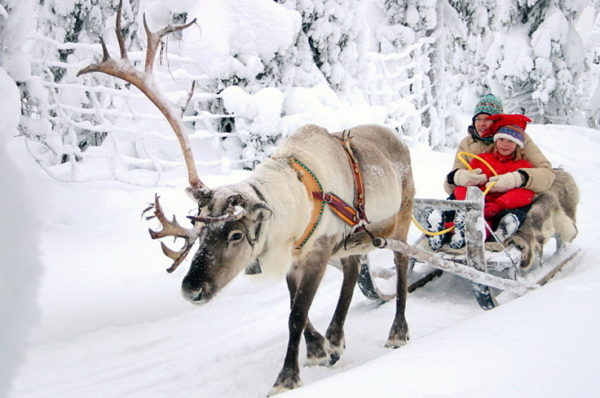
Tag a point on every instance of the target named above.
point(488, 272)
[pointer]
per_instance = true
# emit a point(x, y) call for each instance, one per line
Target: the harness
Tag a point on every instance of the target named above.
point(347, 213)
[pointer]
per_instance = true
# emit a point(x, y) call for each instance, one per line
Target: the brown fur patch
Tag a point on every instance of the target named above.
point(552, 215)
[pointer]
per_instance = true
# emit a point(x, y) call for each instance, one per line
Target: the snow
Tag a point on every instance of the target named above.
point(548, 32)
point(113, 322)
point(233, 28)
point(83, 282)
point(264, 107)
point(13, 58)
point(21, 268)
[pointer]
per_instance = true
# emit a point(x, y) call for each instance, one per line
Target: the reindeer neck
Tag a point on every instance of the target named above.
point(287, 196)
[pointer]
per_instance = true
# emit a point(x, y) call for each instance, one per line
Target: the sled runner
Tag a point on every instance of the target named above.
point(495, 271)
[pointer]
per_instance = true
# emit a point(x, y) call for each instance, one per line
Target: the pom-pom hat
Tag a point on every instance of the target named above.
point(512, 133)
point(489, 104)
point(510, 127)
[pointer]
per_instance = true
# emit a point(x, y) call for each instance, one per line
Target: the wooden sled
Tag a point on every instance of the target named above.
point(496, 276)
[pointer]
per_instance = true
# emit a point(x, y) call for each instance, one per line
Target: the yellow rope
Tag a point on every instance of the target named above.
point(427, 232)
point(461, 158)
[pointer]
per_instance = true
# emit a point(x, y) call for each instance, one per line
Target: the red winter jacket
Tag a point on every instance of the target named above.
point(512, 199)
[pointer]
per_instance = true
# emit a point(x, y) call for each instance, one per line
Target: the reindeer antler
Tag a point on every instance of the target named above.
point(173, 228)
point(237, 213)
point(123, 69)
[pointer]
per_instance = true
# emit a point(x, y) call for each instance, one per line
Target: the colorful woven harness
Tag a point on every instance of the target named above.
point(350, 215)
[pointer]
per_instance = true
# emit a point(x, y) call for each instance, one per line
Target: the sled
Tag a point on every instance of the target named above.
point(496, 276)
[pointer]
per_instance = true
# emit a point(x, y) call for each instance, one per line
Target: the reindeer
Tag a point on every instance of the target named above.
point(277, 217)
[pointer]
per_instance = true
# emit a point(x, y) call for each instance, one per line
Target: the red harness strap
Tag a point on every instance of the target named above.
point(342, 209)
point(350, 215)
point(359, 186)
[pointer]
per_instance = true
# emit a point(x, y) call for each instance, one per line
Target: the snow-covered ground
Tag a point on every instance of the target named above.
point(113, 323)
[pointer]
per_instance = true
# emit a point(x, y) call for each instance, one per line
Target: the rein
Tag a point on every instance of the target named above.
point(350, 215)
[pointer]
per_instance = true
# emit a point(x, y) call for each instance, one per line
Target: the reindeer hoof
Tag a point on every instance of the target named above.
point(287, 380)
point(398, 337)
point(326, 355)
point(328, 360)
point(396, 343)
point(333, 358)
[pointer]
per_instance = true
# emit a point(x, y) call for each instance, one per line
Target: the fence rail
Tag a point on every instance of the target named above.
point(84, 111)
point(401, 84)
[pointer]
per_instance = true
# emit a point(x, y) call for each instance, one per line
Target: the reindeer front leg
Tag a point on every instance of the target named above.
point(326, 351)
point(310, 273)
point(318, 350)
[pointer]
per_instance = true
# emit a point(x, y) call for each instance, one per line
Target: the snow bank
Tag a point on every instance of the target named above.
point(20, 269)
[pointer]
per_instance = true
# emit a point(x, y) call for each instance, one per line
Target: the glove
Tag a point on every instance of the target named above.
point(505, 182)
point(491, 210)
point(466, 178)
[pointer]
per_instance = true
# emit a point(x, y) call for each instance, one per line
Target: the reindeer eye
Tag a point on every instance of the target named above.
point(235, 236)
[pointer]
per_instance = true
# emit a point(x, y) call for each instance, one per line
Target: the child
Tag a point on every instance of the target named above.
point(503, 204)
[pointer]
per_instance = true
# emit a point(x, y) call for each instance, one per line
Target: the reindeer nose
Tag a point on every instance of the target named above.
point(192, 295)
point(194, 292)
point(189, 284)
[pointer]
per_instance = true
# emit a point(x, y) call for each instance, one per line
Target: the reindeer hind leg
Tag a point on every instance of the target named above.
point(399, 335)
point(335, 331)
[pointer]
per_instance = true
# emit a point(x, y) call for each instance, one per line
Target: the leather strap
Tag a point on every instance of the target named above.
point(350, 215)
point(359, 185)
point(342, 209)
point(313, 186)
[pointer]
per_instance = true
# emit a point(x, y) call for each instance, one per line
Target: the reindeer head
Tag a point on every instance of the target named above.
point(227, 246)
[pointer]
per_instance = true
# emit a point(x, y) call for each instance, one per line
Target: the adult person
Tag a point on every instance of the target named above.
point(538, 178)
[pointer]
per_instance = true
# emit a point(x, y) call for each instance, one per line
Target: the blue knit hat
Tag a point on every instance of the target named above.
point(489, 104)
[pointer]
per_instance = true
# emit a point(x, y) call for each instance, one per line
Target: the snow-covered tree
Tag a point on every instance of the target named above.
point(558, 66)
point(55, 130)
point(424, 62)
point(334, 31)
point(418, 28)
point(589, 26)
point(528, 53)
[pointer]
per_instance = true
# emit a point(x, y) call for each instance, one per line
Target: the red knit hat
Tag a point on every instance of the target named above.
point(502, 119)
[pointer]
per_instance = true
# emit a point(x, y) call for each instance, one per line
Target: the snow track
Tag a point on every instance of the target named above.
point(114, 324)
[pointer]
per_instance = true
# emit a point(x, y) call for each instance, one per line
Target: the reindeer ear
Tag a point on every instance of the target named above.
point(260, 212)
point(202, 196)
